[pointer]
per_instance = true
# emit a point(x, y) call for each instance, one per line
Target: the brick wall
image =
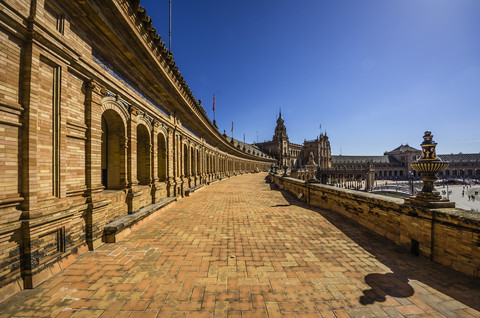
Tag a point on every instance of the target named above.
point(67, 114)
point(447, 236)
point(10, 159)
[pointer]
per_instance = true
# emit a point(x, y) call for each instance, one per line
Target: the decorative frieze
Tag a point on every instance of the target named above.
point(123, 79)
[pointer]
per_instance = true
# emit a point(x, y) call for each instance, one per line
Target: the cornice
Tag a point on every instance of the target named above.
point(140, 17)
point(135, 21)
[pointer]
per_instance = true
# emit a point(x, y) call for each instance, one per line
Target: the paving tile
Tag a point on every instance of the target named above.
point(237, 248)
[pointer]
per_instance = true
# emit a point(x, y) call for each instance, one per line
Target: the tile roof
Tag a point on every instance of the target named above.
point(252, 148)
point(360, 159)
point(460, 157)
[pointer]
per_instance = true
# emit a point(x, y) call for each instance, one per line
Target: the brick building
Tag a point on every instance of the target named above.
point(295, 155)
point(395, 164)
point(96, 122)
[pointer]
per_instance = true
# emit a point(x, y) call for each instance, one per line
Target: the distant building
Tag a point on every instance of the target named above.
point(394, 164)
point(295, 155)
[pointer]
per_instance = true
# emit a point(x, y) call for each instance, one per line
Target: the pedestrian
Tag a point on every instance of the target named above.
point(463, 193)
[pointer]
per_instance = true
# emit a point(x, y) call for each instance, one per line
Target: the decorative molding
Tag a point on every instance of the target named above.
point(111, 103)
point(123, 79)
point(190, 132)
point(134, 110)
point(97, 88)
point(147, 123)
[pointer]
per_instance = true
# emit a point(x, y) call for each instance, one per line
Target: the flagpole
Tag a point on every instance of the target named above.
point(214, 122)
point(170, 25)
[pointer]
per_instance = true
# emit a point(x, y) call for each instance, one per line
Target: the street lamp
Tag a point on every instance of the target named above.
point(410, 178)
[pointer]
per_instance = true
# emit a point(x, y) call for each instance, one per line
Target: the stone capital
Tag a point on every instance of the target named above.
point(96, 87)
point(134, 111)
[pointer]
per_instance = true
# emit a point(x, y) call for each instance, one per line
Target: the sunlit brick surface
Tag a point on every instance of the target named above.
point(237, 248)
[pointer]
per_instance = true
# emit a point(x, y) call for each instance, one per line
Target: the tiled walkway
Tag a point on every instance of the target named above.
point(237, 248)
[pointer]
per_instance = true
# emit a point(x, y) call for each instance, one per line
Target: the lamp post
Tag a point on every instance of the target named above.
point(410, 178)
point(448, 194)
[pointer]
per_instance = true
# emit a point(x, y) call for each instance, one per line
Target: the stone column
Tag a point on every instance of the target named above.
point(132, 181)
point(95, 199)
point(154, 160)
point(170, 163)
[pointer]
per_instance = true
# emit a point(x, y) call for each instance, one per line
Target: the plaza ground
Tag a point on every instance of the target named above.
point(238, 248)
point(463, 202)
point(455, 193)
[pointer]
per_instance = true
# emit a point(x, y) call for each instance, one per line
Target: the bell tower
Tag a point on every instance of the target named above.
point(281, 140)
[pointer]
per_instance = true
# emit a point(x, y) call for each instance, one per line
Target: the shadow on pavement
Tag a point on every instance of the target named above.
point(404, 265)
point(381, 285)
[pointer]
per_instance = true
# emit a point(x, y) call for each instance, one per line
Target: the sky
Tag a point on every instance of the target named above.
point(373, 74)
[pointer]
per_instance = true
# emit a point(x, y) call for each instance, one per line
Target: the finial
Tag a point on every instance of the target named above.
point(427, 138)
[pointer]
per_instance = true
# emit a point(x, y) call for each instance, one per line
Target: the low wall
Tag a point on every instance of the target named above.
point(447, 236)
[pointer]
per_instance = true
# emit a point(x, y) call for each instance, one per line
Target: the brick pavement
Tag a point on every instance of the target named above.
point(237, 248)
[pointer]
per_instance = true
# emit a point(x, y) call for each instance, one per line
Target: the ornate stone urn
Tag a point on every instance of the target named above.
point(428, 165)
point(275, 169)
point(312, 168)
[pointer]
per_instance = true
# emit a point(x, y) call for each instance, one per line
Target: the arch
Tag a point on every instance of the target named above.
point(186, 168)
point(162, 157)
point(193, 161)
point(113, 150)
point(143, 154)
point(199, 171)
point(112, 104)
point(209, 163)
point(143, 120)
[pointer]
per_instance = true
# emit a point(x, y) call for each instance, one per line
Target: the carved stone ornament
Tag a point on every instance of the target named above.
point(135, 111)
point(97, 88)
point(428, 165)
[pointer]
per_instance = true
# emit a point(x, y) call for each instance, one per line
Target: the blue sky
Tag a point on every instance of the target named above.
point(373, 73)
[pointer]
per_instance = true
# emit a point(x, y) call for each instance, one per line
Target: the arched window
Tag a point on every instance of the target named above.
point(113, 150)
point(143, 155)
point(193, 161)
point(186, 168)
point(198, 162)
point(162, 158)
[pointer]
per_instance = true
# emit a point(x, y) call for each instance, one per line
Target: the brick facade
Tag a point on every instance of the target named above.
point(96, 122)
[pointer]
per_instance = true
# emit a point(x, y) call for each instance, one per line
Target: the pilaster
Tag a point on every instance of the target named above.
point(132, 181)
point(93, 107)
